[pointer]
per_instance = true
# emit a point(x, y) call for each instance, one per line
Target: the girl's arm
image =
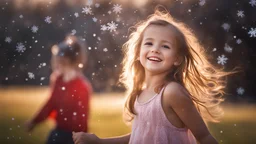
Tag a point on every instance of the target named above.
point(86, 138)
point(179, 100)
point(117, 140)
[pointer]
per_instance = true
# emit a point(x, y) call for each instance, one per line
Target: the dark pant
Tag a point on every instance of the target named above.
point(58, 136)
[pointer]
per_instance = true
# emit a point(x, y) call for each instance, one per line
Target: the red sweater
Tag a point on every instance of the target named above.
point(70, 102)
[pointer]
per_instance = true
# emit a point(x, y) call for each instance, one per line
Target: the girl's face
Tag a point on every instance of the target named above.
point(158, 52)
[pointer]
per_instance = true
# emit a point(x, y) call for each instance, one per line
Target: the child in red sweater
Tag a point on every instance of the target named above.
point(71, 91)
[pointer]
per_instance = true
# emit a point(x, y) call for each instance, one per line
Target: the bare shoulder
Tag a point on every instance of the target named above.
point(176, 95)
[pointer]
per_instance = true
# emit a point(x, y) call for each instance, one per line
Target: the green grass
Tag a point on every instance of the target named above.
point(17, 105)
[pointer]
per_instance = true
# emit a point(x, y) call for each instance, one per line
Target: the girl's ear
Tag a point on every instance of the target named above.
point(178, 61)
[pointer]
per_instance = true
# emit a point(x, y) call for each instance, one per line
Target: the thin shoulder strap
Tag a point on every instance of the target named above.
point(162, 90)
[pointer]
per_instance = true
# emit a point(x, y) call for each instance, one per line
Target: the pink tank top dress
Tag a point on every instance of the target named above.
point(151, 126)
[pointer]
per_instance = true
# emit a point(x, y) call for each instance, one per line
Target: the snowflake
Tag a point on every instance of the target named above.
point(76, 14)
point(42, 78)
point(201, 2)
point(97, 5)
point(21, 16)
point(31, 75)
point(222, 59)
point(73, 32)
point(8, 39)
point(252, 32)
point(117, 8)
point(240, 13)
point(20, 47)
point(239, 41)
point(48, 19)
point(104, 27)
point(214, 49)
point(226, 26)
point(112, 26)
point(105, 49)
point(252, 3)
point(94, 19)
point(34, 29)
point(42, 65)
point(240, 91)
point(87, 10)
point(89, 2)
point(228, 49)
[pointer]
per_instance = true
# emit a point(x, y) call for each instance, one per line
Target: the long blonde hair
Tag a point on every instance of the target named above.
point(203, 81)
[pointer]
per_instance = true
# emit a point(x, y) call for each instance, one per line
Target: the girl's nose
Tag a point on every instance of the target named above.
point(155, 49)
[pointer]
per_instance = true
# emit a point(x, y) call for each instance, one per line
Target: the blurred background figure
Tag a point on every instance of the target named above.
point(69, 103)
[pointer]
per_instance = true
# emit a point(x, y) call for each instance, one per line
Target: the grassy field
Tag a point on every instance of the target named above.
point(17, 105)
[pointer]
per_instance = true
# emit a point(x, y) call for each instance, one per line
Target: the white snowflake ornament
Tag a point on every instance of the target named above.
point(8, 39)
point(252, 32)
point(87, 10)
point(222, 59)
point(117, 8)
point(31, 75)
point(112, 26)
point(227, 48)
point(34, 29)
point(240, 91)
point(48, 19)
point(20, 47)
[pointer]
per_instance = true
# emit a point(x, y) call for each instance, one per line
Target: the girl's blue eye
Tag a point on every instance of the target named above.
point(166, 46)
point(148, 43)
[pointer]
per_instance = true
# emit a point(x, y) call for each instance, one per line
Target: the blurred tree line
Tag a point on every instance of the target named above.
point(104, 47)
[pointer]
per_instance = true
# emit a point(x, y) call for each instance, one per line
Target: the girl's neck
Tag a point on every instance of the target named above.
point(152, 81)
point(69, 75)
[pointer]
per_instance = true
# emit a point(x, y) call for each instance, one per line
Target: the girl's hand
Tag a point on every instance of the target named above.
point(85, 138)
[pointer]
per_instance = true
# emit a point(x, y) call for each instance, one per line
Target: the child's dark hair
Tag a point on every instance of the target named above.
point(73, 49)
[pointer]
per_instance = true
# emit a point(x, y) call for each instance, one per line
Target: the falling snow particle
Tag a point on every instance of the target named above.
point(222, 59)
point(239, 41)
point(240, 13)
point(201, 2)
point(34, 29)
point(63, 88)
point(112, 26)
point(228, 49)
point(48, 19)
point(8, 39)
point(226, 26)
point(76, 14)
point(97, 5)
point(104, 28)
point(117, 8)
point(73, 32)
point(87, 10)
point(252, 32)
point(31, 75)
point(240, 91)
point(94, 19)
point(252, 3)
point(105, 49)
point(20, 47)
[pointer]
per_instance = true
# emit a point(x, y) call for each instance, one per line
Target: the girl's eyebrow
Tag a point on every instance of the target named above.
point(149, 39)
point(165, 41)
